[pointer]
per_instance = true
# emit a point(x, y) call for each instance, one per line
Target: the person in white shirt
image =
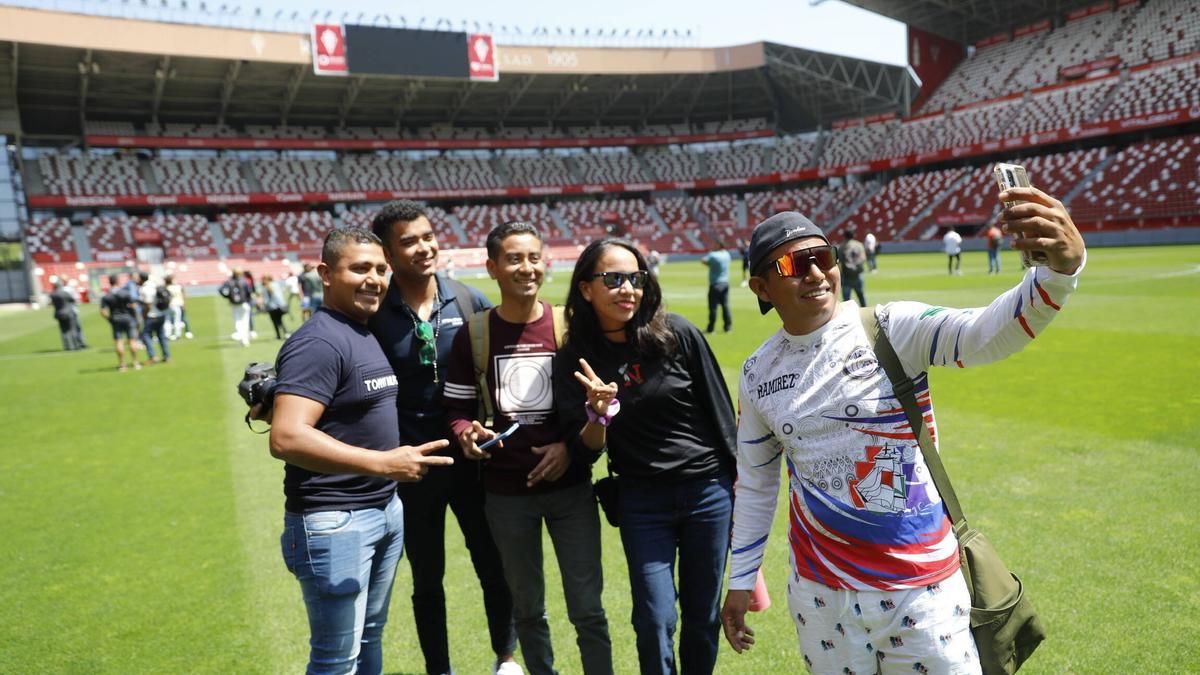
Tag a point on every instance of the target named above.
point(872, 245)
point(952, 242)
point(875, 584)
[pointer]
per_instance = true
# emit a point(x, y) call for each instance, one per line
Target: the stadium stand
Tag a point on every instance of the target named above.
point(199, 175)
point(984, 75)
point(1060, 108)
point(975, 124)
point(191, 130)
point(674, 211)
point(275, 232)
point(909, 137)
point(1079, 41)
point(733, 161)
point(1159, 30)
point(50, 240)
point(893, 210)
point(108, 238)
point(105, 174)
point(1152, 179)
point(587, 217)
point(185, 236)
point(295, 175)
point(674, 163)
point(451, 171)
point(792, 153)
point(854, 144)
point(537, 169)
point(610, 165)
point(1157, 90)
point(381, 171)
point(479, 219)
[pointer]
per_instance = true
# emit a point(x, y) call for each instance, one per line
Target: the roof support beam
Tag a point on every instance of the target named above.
point(405, 100)
point(162, 73)
point(85, 74)
point(231, 76)
point(666, 94)
point(461, 101)
point(514, 96)
point(627, 84)
point(577, 86)
point(353, 89)
point(293, 88)
point(687, 112)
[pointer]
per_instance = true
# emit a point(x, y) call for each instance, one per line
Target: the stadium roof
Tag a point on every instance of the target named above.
point(57, 83)
point(969, 21)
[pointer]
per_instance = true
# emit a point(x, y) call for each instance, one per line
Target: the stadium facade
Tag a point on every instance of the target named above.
point(199, 147)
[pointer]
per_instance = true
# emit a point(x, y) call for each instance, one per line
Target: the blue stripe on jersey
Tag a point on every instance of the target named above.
point(914, 526)
point(747, 547)
point(756, 441)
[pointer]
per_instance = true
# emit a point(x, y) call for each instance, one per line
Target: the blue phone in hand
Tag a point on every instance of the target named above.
point(501, 436)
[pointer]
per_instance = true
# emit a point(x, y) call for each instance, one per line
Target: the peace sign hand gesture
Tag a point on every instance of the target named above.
point(599, 393)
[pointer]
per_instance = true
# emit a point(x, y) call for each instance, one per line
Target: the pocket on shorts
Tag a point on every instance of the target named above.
point(334, 551)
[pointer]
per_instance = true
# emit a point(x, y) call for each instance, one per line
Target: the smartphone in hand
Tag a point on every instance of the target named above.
point(500, 436)
point(1014, 176)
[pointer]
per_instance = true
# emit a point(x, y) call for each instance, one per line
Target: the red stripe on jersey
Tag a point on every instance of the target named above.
point(1046, 297)
point(1028, 330)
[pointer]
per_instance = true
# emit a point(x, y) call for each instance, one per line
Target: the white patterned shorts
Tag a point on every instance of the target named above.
point(920, 630)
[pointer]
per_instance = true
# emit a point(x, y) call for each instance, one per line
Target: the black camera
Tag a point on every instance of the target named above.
point(258, 385)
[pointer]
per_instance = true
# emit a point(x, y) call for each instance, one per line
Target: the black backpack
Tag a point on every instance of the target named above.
point(235, 291)
point(162, 298)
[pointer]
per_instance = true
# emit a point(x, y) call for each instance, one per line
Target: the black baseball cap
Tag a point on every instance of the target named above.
point(775, 231)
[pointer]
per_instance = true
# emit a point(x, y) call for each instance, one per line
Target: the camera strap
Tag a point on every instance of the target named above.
point(251, 428)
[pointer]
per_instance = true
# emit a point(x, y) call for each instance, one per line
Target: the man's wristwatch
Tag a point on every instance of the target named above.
point(614, 407)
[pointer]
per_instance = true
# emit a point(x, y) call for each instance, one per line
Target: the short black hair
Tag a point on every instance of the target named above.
point(339, 238)
point(113, 279)
point(399, 210)
point(506, 230)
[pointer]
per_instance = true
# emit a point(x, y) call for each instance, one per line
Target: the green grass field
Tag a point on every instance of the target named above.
point(140, 518)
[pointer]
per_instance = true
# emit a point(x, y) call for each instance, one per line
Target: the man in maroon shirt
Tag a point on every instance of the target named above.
point(530, 478)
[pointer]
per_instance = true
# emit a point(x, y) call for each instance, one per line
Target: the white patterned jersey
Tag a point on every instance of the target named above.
point(864, 513)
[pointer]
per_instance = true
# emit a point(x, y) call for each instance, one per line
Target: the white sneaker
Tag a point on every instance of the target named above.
point(507, 668)
point(188, 335)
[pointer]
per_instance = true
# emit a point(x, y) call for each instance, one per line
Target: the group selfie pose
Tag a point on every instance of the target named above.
point(409, 394)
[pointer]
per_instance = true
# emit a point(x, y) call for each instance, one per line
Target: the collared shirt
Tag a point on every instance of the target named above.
point(419, 398)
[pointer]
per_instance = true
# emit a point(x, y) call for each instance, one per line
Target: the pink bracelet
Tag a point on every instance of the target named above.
point(614, 407)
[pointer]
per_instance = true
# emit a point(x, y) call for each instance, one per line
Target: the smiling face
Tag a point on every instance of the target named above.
point(519, 267)
point(614, 307)
point(356, 283)
point(804, 303)
point(412, 249)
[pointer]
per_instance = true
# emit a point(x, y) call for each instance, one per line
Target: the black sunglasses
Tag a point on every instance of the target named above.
point(615, 280)
point(796, 263)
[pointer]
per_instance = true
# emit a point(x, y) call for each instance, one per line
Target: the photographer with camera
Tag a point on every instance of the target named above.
point(334, 424)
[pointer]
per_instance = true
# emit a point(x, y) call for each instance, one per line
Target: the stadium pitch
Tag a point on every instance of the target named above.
point(141, 518)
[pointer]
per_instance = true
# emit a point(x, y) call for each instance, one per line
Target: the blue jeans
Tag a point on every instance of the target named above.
point(573, 521)
point(345, 562)
point(155, 328)
point(659, 522)
point(993, 260)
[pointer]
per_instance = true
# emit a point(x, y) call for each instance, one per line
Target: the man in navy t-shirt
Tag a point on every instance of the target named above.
point(118, 307)
point(334, 424)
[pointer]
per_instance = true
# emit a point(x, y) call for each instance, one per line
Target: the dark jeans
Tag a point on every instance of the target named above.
point(853, 282)
point(425, 502)
point(953, 262)
point(155, 328)
point(659, 523)
point(573, 521)
point(72, 337)
point(718, 295)
point(277, 320)
point(993, 260)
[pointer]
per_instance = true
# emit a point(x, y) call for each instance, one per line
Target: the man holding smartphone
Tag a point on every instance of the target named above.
point(875, 583)
point(529, 477)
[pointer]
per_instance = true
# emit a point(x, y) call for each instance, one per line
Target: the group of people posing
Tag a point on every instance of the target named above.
point(503, 411)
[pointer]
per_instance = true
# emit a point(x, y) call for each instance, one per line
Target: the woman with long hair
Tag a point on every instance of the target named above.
point(671, 446)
